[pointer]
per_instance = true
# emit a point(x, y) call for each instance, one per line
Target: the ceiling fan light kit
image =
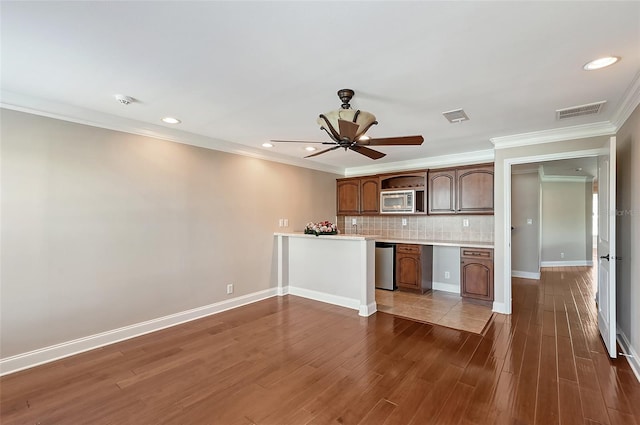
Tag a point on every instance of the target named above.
point(346, 128)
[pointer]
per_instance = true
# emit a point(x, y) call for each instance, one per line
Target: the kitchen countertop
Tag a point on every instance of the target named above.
point(378, 238)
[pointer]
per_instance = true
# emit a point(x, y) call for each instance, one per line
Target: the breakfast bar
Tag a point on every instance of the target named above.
point(336, 269)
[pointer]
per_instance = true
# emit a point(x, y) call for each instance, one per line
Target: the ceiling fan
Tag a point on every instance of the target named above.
point(351, 127)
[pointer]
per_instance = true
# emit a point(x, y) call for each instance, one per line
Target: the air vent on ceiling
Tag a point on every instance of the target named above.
point(457, 115)
point(578, 111)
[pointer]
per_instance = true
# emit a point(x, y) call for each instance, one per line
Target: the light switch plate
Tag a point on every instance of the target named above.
point(354, 221)
point(465, 222)
point(404, 221)
point(529, 221)
point(286, 222)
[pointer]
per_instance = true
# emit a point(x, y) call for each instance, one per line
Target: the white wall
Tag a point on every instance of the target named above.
point(525, 237)
point(103, 229)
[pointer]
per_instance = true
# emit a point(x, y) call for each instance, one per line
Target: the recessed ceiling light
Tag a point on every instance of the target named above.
point(267, 145)
point(309, 149)
point(600, 63)
point(171, 120)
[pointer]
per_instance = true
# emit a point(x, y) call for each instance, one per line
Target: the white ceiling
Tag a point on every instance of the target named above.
point(240, 73)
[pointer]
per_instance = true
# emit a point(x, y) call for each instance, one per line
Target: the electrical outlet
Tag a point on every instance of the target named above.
point(465, 222)
point(286, 222)
point(281, 223)
point(354, 221)
point(404, 221)
point(230, 288)
point(447, 275)
point(562, 255)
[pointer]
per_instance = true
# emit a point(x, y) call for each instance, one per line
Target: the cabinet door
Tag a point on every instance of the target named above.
point(475, 190)
point(369, 195)
point(442, 191)
point(476, 277)
point(348, 196)
point(408, 273)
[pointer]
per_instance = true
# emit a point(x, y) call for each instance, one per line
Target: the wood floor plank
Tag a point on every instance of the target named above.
point(290, 360)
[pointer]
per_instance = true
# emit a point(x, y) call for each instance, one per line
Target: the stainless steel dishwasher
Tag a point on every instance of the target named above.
point(385, 266)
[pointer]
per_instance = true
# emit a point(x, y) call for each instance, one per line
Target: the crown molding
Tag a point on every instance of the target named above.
point(629, 103)
point(97, 119)
point(604, 128)
point(434, 161)
point(562, 179)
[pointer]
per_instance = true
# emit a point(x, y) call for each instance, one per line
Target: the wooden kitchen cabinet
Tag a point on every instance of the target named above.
point(358, 196)
point(462, 190)
point(475, 190)
point(476, 273)
point(414, 267)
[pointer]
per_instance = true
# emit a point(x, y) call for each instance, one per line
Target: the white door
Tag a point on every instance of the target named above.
point(606, 296)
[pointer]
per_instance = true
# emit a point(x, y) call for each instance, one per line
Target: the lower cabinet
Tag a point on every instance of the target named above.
point(476, 273)
point(414, 267)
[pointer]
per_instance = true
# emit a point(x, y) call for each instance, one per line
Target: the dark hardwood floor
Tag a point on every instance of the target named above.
point(295, 361)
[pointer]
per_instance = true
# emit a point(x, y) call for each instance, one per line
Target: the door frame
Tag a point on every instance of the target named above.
point(508, 162)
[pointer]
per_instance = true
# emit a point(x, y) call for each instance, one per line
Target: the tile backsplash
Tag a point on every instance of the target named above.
point(445, 228)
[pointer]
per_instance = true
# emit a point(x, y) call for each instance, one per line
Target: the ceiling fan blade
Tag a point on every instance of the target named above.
point(321, 152)
point(302, 141)
point(390, 141)
point(348, 129)
point(367, 152)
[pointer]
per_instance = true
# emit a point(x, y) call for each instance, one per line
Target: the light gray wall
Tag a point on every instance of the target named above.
point(525, 238)
point(628, 230)
point(446, 259)
point(565, 228)
point(103, 229)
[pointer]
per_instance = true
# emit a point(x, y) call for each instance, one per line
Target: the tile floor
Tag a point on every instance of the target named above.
point(437, 307)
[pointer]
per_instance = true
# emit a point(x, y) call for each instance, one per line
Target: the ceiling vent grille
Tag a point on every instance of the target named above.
point(455, 116)
point(578, 111)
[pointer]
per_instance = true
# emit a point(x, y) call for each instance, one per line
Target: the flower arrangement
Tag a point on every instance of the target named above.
point(321, 228)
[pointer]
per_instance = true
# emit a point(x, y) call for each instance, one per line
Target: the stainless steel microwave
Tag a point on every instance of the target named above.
point(398, 201)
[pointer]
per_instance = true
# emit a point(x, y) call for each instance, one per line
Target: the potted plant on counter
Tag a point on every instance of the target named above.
point(321, 228)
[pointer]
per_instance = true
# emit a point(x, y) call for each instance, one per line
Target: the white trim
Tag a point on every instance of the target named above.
point(562, 179)
point(111, 122)
point(604, 128)
point(506, 187)
point(465, 158)
point(351, 303)
point(629, 103)
point(447, 287)
point(525, 275)
point(629, 352)
point(368, 309)
point(501, 308)
point(506, 305)
point(572, 263)
point(55, 352)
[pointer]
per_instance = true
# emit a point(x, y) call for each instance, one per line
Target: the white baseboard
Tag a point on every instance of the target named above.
point(351, 303)
point(566, 263)
point(367, 310)
point(55, 352)
point(525, 275)
point(447, 287)
point(499, 308)
point(630, 353)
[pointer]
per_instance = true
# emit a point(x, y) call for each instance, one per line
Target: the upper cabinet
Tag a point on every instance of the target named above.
point(462, 190)
point(358, 195)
